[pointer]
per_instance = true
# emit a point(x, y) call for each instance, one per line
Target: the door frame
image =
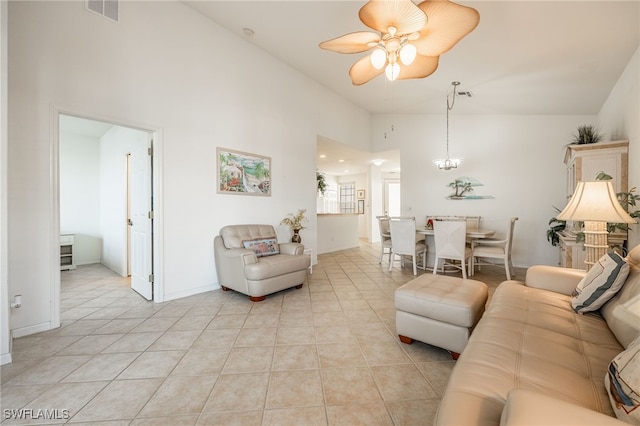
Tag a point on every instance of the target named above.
point(156, 193)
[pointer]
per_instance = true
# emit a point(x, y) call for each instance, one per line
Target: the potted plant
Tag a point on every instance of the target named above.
point(321, 180)
point(555, 228)
point(296, 223)
point(586, 134)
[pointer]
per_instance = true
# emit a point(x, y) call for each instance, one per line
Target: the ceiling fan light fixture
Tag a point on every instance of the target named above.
point(378, 58)
point(425, 31)
point(392, 71)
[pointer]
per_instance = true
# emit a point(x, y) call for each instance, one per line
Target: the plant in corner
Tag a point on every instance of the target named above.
point(296, 223)
point(586, 134)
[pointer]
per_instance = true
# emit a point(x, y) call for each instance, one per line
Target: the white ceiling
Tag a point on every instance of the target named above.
point(525, 57)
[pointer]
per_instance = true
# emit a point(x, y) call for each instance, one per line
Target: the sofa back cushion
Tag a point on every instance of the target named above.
point(625, 331)
point(234, 236)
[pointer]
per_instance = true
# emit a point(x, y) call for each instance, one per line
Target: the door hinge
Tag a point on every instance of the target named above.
point(151, 278)
point(151, 214)
point(150, 151)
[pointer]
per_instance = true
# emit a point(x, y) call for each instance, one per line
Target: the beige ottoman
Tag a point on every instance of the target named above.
point(439, 310)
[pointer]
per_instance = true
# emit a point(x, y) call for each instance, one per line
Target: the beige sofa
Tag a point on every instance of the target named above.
point(250, 261)
point(532, 360)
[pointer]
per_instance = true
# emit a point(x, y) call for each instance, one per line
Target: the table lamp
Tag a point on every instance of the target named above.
point(595, 203)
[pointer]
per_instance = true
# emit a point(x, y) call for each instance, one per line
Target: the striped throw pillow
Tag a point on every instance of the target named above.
point(601, 283)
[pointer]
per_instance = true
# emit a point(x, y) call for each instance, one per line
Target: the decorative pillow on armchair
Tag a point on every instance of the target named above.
point(623, 383)
point(262, 246)
point(601, 283)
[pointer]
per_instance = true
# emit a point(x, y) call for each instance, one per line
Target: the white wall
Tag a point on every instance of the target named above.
point(160, 66)
point(80, 195)
point(619, 118)
point(519, 159)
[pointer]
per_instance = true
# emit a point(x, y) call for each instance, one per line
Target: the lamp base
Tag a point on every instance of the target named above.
point(596, 243)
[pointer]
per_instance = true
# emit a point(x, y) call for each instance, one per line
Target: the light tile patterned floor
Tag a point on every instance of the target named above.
point(326, 354)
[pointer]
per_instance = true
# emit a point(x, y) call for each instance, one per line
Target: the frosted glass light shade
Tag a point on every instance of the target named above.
point(595, 201)
point(408, 54)
point(378, 58)
point(392, 71)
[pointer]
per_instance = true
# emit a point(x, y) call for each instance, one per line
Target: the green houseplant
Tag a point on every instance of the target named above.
point(321, 181)
point(586, 134)
point(296, 223)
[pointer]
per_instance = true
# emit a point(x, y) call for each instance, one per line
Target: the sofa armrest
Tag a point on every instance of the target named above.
point(554, 278)
point(291, 248)
point(525, 408)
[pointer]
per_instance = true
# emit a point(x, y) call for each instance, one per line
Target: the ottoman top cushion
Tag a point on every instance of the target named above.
point(447, 299)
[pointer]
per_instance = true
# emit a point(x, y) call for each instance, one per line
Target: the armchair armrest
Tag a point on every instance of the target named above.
point(554, 278)
point(525, 408)
point(291, 248)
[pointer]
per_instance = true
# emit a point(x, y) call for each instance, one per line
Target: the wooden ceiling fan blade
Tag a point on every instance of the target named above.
point(357, 42)
point(404, 15)
point(362, 71)
point(423, 66)
point(448, 23)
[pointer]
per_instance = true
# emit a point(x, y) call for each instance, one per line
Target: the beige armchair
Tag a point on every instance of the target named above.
point(249, 260)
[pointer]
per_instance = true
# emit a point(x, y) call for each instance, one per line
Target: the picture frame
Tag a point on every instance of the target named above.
point(243, 173)
point(360, 194)
point(360, 206)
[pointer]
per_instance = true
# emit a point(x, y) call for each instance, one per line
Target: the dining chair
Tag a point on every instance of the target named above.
point(385, 236)
point(404, 242)
point(473, 223)
point(490, 248)
point(450, 241)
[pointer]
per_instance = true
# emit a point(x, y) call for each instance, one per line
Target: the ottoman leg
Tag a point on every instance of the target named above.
point(405, 339)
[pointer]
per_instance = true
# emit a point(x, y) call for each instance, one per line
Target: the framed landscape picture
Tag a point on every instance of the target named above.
point(243, 173)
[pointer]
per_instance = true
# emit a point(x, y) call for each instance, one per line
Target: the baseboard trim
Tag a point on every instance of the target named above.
point(32, 329)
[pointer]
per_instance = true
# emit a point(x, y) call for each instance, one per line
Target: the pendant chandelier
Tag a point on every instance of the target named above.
point(449, 163)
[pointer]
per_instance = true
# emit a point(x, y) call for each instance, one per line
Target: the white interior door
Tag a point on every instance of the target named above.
point(141, 219)
point(392, 197)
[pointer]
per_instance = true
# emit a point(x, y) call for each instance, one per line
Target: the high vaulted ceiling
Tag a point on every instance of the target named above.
point(525, 57)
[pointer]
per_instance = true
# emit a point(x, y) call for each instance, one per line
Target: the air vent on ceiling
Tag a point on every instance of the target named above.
point(466, 93)
point(106, 8)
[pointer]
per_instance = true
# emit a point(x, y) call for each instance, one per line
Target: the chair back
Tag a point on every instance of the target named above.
point(403, 235)
point(473, 223)
point(512, 224)
point(383, 224)
point(450, 238)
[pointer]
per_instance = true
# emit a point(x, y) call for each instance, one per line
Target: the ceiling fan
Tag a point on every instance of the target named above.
point(411, 37)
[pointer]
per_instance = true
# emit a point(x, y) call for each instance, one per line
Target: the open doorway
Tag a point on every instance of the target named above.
point(105, 198)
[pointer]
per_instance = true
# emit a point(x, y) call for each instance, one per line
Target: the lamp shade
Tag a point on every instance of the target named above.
point(595, 201)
